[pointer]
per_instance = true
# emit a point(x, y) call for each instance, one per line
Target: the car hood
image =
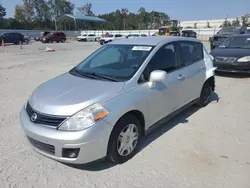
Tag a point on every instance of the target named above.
point(67, 94)
point(223, 34)
point(82, 37)
point(107, 38)
point(230, 52)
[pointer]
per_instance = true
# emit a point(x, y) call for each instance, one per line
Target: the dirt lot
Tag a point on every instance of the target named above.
point(199, 149)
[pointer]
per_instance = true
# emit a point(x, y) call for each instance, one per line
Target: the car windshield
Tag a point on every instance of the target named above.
point(113, 62)
point(228, 30)
point(236, 42)
point(110, 36)
point(84, 35)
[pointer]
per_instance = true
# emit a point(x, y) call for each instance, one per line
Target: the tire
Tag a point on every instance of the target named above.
point(205, 96)
point(63, 40)
point(115, 141)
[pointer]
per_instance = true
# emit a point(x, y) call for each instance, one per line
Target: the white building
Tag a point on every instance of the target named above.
point(203, 23)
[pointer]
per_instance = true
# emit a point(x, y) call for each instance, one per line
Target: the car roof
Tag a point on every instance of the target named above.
point(153, 40)
point(241, 35)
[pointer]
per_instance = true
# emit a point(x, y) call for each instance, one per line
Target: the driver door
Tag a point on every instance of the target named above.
point(163, 98)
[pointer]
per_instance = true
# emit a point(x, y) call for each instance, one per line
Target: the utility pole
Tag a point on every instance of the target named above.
point(56, 13)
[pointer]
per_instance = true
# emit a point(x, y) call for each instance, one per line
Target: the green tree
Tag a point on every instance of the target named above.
point(20, 13)
point(59, 8)
point(208, 25)
point(2, 12)
point(226, 23)
point(124, 13)
point(245, 20)
point(85, 10)
point(236, 22)
point(195, 25)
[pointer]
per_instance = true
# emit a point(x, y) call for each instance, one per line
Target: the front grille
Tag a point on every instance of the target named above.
point(225, 59)
point(39, 118)
point(42, 146)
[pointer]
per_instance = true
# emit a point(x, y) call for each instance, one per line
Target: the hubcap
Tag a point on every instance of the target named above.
point(127, 140)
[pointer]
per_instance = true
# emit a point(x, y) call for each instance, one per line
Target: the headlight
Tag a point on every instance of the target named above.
point(244, 59)
point(85, 118)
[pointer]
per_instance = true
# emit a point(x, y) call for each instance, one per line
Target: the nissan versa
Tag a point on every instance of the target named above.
point(103, 106)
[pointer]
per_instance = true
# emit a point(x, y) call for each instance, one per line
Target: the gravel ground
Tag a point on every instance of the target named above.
point(199, 148)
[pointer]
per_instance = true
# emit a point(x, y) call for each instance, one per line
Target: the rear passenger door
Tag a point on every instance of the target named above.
point(194, 73)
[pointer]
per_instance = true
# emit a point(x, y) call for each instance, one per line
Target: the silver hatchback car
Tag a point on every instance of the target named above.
point(103, 106)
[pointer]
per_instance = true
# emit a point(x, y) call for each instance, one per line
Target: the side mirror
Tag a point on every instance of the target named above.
point(156, 76)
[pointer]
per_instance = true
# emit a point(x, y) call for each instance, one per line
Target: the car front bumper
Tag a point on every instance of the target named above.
point(92, 142)
point(232, 67)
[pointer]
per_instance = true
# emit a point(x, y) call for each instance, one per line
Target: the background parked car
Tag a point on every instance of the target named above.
point(54, 37)
point(224, 33)
point(87, 38)
point(111, 38)
point(13, 38)
point(38, 38)
point(136, 35)
point(26, 39)
point(189, 33)
point(233, 55)
point(132, 36)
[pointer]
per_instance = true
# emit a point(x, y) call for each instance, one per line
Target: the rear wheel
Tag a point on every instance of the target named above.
point(205, 95)
point(125, 139)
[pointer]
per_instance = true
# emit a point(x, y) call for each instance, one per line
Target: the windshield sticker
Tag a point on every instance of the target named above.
point(141, 48)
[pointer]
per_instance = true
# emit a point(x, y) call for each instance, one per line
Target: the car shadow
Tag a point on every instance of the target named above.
point(233, 75)
point(180, 119)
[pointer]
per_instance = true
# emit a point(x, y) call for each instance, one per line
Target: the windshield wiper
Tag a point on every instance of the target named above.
point(99, 76)
point(74, 71)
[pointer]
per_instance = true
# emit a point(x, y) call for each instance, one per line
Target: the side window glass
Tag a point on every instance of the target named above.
point(112, 55)
point(191, 52)
point(6, 35)
point(164, 59)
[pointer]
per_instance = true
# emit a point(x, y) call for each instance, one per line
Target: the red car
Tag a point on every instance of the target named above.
point(54, 37)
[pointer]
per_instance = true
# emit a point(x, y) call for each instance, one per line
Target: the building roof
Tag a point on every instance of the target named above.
point(152, 40)
point(68, 17)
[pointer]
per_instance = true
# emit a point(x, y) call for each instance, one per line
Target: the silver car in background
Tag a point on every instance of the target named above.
point(103, 106)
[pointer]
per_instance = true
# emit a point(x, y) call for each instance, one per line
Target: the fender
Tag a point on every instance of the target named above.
point(210, 72)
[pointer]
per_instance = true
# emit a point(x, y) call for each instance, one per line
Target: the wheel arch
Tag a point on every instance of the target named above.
point(211, 81)
point(137, 114)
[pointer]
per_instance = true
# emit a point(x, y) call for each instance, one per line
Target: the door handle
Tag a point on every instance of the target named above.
point(202, 66)
point(181, 77)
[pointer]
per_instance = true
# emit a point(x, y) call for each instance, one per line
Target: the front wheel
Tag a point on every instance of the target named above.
point(205, 95)
point(124, 140)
